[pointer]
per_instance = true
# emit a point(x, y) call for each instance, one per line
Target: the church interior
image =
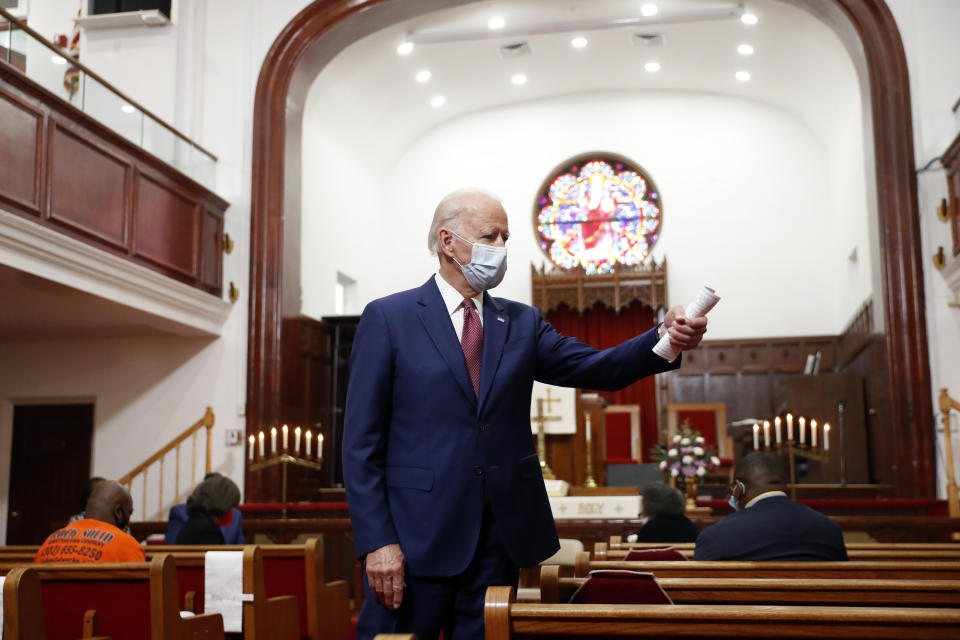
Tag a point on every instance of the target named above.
point(199, 198)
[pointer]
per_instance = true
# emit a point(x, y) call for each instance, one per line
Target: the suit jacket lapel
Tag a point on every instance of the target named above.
point(436, 320)
point(496, 326)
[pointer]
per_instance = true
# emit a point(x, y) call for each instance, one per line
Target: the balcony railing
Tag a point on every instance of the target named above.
point(52, 68)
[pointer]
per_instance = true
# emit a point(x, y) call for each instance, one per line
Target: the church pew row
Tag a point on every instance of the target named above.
point(602, 552)
point(323, 609)
point(616, 542)
point(506, 619)
point(122, 601)
point(775, 591)
point(853, 569)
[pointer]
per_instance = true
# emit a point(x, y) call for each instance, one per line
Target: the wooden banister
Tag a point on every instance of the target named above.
point(206, 422)
point(953, 499)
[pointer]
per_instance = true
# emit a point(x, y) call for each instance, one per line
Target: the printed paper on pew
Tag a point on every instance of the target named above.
point(223, 587)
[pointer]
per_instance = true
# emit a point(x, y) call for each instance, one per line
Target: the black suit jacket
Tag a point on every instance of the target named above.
point(774, 528)
point(676, 528)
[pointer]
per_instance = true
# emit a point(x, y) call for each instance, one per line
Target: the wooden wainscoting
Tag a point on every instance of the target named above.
point(64, 170)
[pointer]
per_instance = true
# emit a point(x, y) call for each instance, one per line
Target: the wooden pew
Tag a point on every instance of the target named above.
point(323, 608)
point(853, 569)
point(602, 552)
point(125, 601)
point(506, 619)
point(265, 617)
point(616, 542)
point(788, 591)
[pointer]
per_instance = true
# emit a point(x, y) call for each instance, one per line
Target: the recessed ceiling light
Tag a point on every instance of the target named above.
point(128, 108)
point(423, 76)
point(649, 10)
point(496, 23)
point(748, 18)
point(745, 50)
point(579, 42)
point(743, 76)
point(652, 67)
point(405, 48)
point(58, 60)
point(438, 101)
point(519, 79)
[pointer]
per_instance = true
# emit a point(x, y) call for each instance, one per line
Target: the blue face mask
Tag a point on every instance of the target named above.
point(487, 265)
point(733, 498)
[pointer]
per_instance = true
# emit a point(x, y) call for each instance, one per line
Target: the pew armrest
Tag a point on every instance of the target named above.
point(207, 625)
point(333, 610)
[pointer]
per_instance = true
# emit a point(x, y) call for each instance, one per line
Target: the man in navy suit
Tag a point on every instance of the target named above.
point(766, 524)
point(444, 484)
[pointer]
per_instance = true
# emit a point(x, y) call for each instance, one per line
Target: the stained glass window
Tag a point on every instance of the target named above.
point(596, 212)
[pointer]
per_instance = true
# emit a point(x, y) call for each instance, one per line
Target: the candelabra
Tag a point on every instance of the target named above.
point(792, 448)
point(285, 456)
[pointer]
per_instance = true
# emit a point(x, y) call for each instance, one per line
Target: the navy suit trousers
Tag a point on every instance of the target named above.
point(453, 604)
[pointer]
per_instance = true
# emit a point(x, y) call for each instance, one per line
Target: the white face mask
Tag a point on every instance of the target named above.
point(487, 265)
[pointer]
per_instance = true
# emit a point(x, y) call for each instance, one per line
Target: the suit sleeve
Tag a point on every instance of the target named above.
point(366, 430)
point(567, 362)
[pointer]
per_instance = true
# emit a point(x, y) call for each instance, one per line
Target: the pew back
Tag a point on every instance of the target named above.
point(132, 601)
point(506, 619)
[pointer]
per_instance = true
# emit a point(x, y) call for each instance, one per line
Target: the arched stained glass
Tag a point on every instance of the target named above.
point(598, 211)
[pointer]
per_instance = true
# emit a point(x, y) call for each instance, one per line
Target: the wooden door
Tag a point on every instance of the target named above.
point(49, 466)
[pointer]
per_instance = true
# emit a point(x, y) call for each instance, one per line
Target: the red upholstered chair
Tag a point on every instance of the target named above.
point(623, 434)
point(655, 553)
point(620, 587)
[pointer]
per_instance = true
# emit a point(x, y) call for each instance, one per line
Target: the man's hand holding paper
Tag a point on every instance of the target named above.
point(685, 333)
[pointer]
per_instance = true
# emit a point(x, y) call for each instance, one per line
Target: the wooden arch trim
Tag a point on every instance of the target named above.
point(886, 83)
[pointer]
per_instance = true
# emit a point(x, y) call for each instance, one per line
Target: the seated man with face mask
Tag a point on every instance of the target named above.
point(99, 536)
point(766, 524)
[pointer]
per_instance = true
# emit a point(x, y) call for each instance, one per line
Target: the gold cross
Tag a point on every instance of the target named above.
point(549, 400)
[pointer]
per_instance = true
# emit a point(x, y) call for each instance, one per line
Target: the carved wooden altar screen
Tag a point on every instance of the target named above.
point(603, 310)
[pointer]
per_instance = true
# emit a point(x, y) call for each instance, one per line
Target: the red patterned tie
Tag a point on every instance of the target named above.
point(472, 342)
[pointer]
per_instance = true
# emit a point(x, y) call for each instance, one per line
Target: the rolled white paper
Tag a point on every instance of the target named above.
point(706, 300)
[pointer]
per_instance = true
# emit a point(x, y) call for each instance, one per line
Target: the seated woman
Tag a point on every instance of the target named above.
point(210, 501)
point(663, 515)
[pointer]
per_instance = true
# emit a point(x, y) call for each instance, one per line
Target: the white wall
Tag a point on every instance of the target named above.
point(750, 202)
point(200, 73)
point(928, 30)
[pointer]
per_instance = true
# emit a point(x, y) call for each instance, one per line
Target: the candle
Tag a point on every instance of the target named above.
point(588, 428)
point(826, 436)
point(286, 441)
point(261, 444)
point(790, 427)
point(309, 440)
point(813, 433)
point(296, 440)
point(803, 429)
point(756, 436)
point(273, 439)
point(252, 440)
point(766, 433)
point(776, 424)
point(319, 446)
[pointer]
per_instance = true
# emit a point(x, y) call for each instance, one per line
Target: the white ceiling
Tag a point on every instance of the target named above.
point(799, 64)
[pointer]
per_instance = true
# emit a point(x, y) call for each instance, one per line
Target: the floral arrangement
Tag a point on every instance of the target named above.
point(687, 456)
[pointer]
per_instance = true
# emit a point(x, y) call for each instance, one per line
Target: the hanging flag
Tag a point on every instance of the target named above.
point(71, 77)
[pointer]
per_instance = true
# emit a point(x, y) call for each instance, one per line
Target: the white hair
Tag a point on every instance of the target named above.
point(449, 211)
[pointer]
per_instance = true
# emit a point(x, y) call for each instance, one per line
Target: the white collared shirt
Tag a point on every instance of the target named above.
point(454, 301)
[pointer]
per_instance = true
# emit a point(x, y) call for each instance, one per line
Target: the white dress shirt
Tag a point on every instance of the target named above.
point(454, 301)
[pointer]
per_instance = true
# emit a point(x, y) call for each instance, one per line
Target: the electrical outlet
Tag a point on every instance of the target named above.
point(234, 436)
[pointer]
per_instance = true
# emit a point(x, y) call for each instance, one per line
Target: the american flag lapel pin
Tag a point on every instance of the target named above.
point(500, 319)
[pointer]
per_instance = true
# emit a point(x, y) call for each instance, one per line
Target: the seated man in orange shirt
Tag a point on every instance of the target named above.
point(99, 536)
